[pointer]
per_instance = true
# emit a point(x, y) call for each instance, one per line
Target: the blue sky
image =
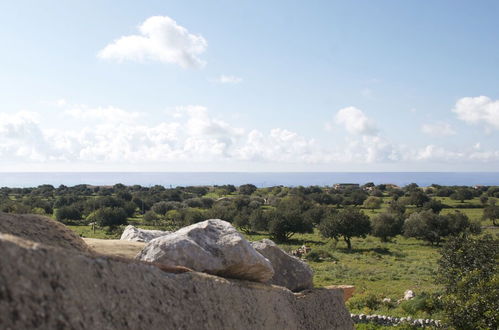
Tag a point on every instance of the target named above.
point(249, 86)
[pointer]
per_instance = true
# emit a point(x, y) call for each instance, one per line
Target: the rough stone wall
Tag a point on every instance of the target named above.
point(41, 229)
point(51, 288)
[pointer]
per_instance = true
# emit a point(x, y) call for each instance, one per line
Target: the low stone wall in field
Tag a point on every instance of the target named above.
point(393, 321)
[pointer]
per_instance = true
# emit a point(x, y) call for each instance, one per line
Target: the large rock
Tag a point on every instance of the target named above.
point(41, 229)
point(135, 234)
point(289, 272)
point(212, 246)
point(52, 288)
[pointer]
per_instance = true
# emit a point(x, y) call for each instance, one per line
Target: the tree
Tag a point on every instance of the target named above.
point(372, 203)
point(491, 212)
point(468, 269)
point(462, 194)
point(283, 224)
point(150, 216)
point(347, 223)
point(386, 225)
point(247, 189)
point(397, 207)
point(109, 217)
point(258, 220)
point(357, 197)
point(162, 207)
point(434, 205)
point(418, 198)
point(433, 227)
point(67, 213)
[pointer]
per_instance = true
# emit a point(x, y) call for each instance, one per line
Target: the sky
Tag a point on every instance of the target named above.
point(249, 85)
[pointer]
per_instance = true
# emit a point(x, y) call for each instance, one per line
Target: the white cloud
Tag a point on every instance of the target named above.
point(355, 121)
point(438, 129)
point(195, 136)
point(478, 110)
point(224, 79)
point(161, 39)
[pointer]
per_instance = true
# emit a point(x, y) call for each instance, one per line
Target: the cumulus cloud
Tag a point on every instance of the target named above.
point(355, 121)
point(161, 39)
point(196, 136)
point(438, 129)
point(224, 79)
point(478, 110)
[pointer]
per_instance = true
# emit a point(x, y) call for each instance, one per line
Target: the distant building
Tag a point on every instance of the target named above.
point(391, 186)
point(346, 186)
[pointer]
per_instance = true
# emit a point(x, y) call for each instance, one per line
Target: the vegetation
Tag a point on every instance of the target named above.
point(354, 233)
point(347, 223)
point(468, 269)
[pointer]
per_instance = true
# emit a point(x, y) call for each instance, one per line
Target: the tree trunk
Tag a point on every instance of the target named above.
point(349, 244)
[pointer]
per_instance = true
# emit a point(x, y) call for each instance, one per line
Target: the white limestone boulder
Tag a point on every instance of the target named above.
point(289, 271)
point(213, 246)
point(134, 234)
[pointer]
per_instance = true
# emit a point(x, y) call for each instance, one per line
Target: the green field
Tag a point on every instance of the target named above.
point(377, 270)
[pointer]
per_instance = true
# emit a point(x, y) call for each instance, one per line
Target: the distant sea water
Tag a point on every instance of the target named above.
point(260, 179)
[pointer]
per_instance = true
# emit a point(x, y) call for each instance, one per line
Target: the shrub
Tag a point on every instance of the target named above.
point(422, 303)
point(258, 220)
point(150, 216)
point(386, 225)
point(433, 227)
point(468, 269)
point(109, 217)
point(320, 255)
point(361, 302)
point(67, 213)
point(247, 189)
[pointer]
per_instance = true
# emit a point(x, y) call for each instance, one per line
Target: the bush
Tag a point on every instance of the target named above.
point(258, 220)
point(433, 227)
point(468, 269)
point(150, 216)
point(319, 256)
point(423, 303)
point(109, 217)
point(162, 207)
point(386, 225)
point(247, 189)
point(361, 302)
point(67, 213)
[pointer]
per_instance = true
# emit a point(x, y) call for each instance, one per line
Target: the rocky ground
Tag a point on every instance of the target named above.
point(61, 283)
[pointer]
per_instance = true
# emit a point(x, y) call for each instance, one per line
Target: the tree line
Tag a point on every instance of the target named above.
point(281, 211)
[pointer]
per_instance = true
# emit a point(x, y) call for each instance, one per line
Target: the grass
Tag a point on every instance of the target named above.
point(383, 270)
point(377, 270)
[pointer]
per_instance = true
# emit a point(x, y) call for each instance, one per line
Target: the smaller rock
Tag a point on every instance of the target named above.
point(289, 272)
point(408, 295)
point(386, 300)
point(348, 290)
point(135, 234)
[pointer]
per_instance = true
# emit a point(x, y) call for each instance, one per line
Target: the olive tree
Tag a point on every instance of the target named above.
point(347, 223)
point(386, 225)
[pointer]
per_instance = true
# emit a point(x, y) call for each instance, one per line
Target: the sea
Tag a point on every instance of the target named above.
point(259, 179)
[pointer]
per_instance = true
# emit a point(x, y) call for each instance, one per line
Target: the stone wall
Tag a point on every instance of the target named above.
point(53, 288)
